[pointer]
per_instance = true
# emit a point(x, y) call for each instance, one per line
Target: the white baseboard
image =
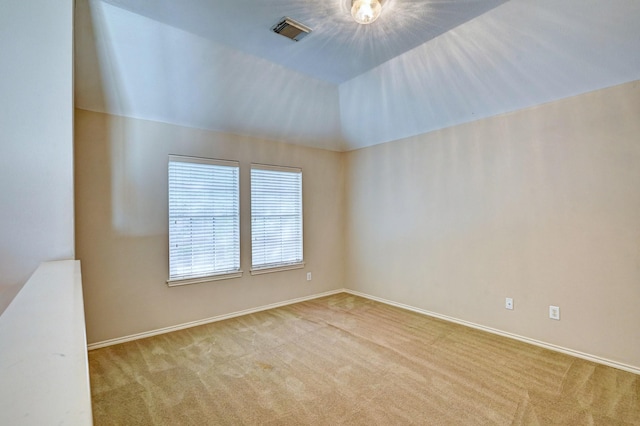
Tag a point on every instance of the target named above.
point(164, 330)
point(577, 354)
point(567, 351)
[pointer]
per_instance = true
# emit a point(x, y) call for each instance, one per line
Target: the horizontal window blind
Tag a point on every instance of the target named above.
point(276, 216)
point(204, 217)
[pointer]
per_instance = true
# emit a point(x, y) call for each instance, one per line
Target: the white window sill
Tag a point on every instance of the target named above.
point(217, 277)
point(278, 268)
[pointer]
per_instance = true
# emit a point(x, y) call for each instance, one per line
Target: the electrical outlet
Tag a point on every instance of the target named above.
point(508, 303)
point(554, 312)
point(308, 276)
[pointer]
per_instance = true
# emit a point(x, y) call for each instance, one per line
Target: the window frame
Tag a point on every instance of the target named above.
point(214, 275)
point(281, 266)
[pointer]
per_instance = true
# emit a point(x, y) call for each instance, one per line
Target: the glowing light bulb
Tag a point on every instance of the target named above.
point(365, 11)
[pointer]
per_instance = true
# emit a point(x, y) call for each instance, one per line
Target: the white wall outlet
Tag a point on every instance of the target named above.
point(308, 276)
point(554, 312)
point(508, 303)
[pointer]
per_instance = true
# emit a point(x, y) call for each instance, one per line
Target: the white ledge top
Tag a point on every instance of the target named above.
point(43, 351)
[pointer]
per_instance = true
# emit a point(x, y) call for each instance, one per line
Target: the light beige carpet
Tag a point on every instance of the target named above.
point(347, 360)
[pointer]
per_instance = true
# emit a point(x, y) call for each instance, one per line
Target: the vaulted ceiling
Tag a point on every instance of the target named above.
point(423, 65)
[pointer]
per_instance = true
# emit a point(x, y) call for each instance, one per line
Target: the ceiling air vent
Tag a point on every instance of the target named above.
point(291, 29)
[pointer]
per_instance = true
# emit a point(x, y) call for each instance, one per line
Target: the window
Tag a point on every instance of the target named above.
point(276, 218)
point(204, 220)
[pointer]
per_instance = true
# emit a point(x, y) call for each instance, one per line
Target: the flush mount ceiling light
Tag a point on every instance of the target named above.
point(365, 11)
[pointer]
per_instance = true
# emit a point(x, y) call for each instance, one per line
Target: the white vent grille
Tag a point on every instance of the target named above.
point(291, 29)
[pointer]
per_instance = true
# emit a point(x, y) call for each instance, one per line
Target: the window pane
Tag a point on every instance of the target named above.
point(204, 219)
point(276, 217)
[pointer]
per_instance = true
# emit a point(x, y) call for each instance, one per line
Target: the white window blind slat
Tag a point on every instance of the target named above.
point(204, 218)
point(276, 216)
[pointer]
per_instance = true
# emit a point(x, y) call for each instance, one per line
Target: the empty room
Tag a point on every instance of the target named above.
point(320, 212)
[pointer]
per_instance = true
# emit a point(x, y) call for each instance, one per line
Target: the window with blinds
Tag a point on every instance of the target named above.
point(204, 220)
point(276, 218)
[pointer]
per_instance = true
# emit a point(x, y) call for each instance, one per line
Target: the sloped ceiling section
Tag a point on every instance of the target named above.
point(130, 65)
point(521, 54)
point(431, 64)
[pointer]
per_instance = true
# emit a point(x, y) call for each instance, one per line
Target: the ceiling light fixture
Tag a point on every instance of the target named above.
point(365, 11)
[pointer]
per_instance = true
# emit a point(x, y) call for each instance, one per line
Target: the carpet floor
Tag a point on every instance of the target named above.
point(345, 360)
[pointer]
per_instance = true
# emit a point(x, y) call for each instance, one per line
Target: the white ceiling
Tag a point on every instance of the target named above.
point(337, 50)
point(424, 65)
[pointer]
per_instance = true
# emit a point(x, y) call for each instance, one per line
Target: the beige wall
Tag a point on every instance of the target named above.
point(121, 224)
point(542, 205)
point(36, 136)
